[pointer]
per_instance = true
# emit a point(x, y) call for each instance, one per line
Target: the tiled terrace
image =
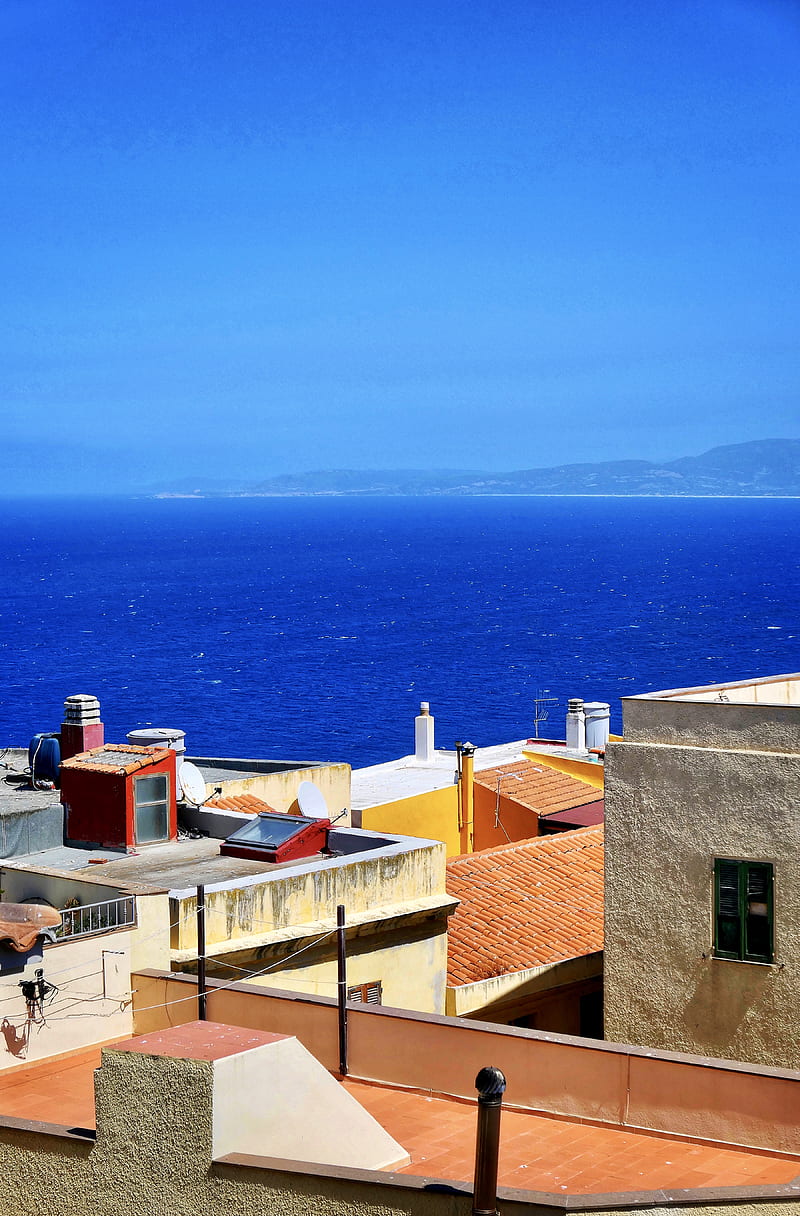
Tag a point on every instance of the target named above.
point(537, 1153)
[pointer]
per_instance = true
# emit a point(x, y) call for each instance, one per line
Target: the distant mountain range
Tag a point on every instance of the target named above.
point(764, 467)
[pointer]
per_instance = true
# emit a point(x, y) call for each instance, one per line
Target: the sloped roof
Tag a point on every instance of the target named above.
point(525, 905)
point(118, 758)
point(248, 803)
point(542, 789)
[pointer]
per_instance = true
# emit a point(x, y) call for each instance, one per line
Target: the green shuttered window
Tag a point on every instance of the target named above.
point(743, 910)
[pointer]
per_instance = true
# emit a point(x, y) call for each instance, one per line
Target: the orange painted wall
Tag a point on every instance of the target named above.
point(520, 822)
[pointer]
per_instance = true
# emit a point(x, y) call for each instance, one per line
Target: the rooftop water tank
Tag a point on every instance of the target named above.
point(44, 757)
point(161, 736)
point(598, 719)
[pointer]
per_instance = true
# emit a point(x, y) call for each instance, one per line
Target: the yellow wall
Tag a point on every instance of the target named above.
point(433, 816)
point(411, 973)
point(589, 771)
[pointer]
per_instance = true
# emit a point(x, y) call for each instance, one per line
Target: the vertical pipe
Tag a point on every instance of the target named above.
point(341, 958)
point(467, 798)
point(491, 1085)
point(201, 953)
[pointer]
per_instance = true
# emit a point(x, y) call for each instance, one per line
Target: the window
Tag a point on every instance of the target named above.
point(151, 799)
point(368, 994)
point(743, 920)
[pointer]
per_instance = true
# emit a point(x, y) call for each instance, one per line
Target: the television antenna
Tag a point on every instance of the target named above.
point(541, 712)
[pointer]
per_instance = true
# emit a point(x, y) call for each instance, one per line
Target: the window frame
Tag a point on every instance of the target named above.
point(744, 868)
point(363, 990)
point(147, 803)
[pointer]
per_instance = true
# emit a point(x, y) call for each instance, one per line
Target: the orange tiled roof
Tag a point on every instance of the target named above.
point(525, 904)
point(116, 758)
point(241, 802)
point(542, 789)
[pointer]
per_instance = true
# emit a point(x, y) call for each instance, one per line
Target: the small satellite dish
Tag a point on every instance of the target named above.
point(311, 801)
point(192, 783)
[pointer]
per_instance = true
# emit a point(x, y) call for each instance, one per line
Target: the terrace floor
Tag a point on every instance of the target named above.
point(537, 1153)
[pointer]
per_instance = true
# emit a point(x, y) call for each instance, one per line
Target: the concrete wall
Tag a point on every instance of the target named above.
point(553, 991)
point(581, 1078)
point(409, 961)
point(388, 880)
point(279, 788)
point(92, 1005)
point(670, 810)
point(432, 815)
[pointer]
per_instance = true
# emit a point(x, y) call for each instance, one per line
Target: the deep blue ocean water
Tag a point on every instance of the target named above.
point(312, 628)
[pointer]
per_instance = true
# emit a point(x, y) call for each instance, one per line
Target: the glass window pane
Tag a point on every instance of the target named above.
point(151, 822)
point(151, 789)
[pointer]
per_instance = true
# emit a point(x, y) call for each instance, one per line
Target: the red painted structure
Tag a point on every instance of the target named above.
point(274, 838)
point(105, 805)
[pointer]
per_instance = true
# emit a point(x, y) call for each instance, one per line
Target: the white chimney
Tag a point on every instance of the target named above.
point(423, 734)
point(576, 725)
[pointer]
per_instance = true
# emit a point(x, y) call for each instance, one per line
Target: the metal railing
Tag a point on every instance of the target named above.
point(98, 918)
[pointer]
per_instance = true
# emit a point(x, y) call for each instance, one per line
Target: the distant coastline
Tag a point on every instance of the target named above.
point(764, 468)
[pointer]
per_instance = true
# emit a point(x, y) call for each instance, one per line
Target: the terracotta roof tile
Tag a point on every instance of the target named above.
point(525, 904)
point(542, 789)
point(241, 802)
point(116, 758)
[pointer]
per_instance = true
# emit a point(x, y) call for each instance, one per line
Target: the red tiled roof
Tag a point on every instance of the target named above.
point(116, 758)
point(241, 802)
point(525, 904)
point(542, 789)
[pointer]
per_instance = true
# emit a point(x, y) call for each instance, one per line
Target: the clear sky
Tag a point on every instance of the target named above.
point(247, 237)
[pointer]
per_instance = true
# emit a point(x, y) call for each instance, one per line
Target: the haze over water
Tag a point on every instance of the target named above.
point(312, 628)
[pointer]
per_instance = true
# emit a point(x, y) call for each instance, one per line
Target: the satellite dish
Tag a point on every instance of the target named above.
point(192, 784)
point(311, 801)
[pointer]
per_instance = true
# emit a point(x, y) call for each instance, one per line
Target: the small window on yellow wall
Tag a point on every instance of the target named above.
point(367, 994)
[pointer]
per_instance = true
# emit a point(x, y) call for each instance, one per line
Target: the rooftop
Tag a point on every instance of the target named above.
point(525, 905)
point(537, 1152)
point(178, 866)
point(407, 777)
point(769, 690)
point(545, 790)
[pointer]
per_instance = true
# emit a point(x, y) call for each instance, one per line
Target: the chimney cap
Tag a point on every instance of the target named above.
point(424, 707)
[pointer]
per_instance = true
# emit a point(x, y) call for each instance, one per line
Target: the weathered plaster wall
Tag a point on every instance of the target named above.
point(670, 810)
point(280, 789)
point(92, 1005)
point(410, 963)
point(307, 894)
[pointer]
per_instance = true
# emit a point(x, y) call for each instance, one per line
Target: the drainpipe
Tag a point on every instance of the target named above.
point(467, 798)
point(491, 1085)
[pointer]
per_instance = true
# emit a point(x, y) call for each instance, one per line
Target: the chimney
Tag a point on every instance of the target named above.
point(423, 734)
point(576, 725)
point(81, 729)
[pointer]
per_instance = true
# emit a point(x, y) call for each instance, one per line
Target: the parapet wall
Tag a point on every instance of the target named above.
point(715, 1100)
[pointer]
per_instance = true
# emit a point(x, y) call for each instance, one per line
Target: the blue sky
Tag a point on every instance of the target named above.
point(241, 239)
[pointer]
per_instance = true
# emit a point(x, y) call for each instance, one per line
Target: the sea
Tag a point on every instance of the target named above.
point(312, 628)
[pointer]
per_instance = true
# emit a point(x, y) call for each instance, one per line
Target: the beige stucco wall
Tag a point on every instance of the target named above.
point(280, 789)
point(92, 1005)
point(670, 810)
point(411, 968)
point(308, 894)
